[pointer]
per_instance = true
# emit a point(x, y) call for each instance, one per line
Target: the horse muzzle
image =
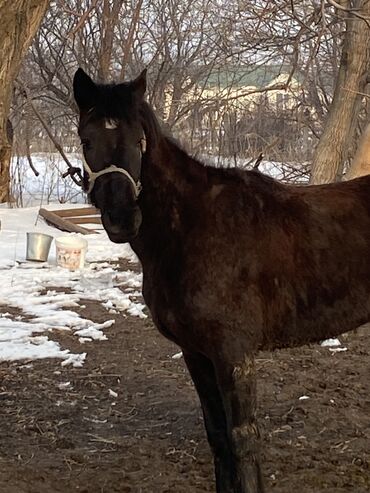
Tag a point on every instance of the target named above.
point(124, 227)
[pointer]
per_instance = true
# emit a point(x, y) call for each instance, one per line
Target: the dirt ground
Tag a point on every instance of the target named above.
point(150, 438)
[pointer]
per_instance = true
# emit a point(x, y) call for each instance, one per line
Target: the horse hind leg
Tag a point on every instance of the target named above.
point(203, 375)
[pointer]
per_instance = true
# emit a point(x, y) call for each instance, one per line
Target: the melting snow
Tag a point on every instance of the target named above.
point(29, 287)
point(177, 355)
point(331, 343)
point(338, 349)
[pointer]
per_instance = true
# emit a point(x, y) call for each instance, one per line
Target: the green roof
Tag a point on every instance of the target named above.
point(255, 75)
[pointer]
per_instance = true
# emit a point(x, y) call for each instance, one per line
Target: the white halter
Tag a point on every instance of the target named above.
point(111, 169)
point(136, 185)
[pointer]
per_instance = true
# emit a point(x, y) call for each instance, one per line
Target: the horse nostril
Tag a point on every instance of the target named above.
point(115, 229)
point(123, 225)
point(111, 222)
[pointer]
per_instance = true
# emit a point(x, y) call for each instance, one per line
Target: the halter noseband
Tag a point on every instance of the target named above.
point(136, 185)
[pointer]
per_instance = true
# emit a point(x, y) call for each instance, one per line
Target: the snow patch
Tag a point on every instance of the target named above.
point(46, 294)
point(330, 343)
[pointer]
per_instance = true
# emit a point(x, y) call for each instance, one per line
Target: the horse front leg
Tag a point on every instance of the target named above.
point(238, 389)
point(203, 375)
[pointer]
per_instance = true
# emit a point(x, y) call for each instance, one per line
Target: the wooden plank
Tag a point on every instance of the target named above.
point(85, 220)
point(53, 219)
point(81, 211)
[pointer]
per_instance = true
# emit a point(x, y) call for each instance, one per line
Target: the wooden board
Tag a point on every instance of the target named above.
point(70, 219)
point(82, 211)
point(85, 220)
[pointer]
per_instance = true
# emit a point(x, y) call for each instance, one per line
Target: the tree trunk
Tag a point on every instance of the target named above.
point(361, 162)
point(332, 150)
point(19, 20)
point(110, 19)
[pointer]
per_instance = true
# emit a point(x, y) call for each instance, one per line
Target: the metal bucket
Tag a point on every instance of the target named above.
point(38, 246)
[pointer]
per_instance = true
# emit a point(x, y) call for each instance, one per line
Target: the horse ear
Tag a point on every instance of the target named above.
point(84, 90)
point(139, 84)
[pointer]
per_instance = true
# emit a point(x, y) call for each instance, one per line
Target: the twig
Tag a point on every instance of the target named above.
point(350, 11)
point(29, 460)
point(83, 18)
point(357, 92)
point(28, 154)
point(72, 169)
point(258, 161)
point(101, 375)
point(96, 438)
point(130, 36)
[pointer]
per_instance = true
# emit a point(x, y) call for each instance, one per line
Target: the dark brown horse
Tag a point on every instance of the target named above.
point(233, 261)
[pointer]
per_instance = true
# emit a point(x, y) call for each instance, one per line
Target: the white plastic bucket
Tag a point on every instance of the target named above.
point(70, 251)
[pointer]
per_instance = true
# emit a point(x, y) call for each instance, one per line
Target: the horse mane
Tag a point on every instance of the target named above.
point(116, 101)
point(152, 127)
point(198, 169)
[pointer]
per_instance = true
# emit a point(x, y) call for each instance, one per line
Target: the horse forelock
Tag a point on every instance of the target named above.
point(117, 102)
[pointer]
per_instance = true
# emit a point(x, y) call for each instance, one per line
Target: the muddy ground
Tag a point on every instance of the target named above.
point(150, 438)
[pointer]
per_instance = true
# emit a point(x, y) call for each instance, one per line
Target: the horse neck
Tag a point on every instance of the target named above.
point(170, 171)
point(166, 165)
point(170, 178)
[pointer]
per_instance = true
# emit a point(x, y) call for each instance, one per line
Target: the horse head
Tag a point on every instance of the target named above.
point(113, 141)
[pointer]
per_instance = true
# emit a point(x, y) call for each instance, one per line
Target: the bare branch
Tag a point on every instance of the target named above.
point(83, 19)
point(53, 139)
point(350, 11)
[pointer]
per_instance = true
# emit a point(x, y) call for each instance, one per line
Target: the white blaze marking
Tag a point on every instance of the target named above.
point(111, 124)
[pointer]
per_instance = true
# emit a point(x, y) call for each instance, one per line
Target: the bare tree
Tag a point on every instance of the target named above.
point(332, 150)
point(203, 57)
point(19, 20)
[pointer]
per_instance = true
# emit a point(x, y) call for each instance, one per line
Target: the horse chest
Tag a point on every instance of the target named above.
point(164, 301)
